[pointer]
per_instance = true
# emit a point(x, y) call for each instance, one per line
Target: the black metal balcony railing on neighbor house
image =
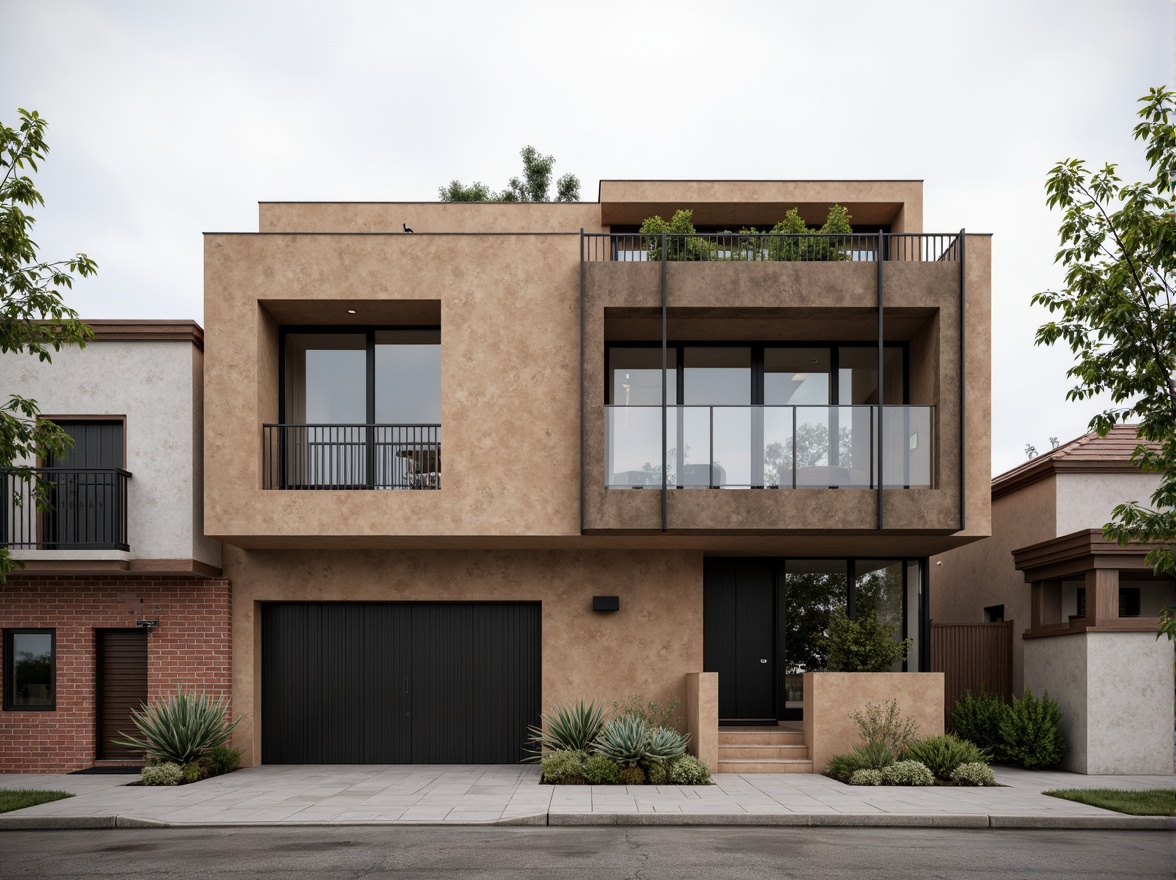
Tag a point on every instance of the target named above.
point(769, 447)
point(732, 247)
point(351, 456)
point(85, 509)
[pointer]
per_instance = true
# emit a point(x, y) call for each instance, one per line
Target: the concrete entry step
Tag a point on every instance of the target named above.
point(760, 752)
point(730, 737)
point(766, 765)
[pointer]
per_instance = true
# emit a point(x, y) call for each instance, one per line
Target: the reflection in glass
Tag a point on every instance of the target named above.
point(796, 376)
point(719, 376)
point(326, 378)
point(812, 590)
point(408, 377)
point(32, 669)
point(878, 589)
point(636, 373)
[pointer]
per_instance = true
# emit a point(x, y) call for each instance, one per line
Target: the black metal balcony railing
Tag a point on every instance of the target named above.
point(351, 456)
point(85, 509)
point(732, 247)
point(769, 447)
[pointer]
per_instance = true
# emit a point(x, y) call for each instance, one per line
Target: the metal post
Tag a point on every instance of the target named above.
point(963, 385)
point(881, 386)
point(583, 391)
point(663, 387)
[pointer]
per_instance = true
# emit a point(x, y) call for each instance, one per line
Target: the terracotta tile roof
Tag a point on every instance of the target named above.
point(1089, 453)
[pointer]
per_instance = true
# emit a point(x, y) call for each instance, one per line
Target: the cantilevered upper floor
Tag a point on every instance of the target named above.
point(535, 374)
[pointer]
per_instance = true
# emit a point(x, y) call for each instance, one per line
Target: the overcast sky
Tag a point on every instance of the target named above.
point(171, 119)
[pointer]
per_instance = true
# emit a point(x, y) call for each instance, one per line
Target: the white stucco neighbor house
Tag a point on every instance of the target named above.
point(1085, 610)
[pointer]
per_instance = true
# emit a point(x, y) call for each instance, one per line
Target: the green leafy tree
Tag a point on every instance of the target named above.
point(1117, 314)
point(533, 186)
point(33, 316)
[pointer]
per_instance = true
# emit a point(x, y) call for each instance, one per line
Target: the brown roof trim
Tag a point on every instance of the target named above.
point(160, 567)
point(1077, 552)
point(127, 330)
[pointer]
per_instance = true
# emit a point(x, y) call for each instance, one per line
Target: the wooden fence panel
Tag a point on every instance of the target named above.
point(973, 657)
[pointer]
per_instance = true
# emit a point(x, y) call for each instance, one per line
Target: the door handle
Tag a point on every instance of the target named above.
point(763, 660)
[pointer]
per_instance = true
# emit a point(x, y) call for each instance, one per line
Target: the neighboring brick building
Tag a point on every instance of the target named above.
point(121, 545)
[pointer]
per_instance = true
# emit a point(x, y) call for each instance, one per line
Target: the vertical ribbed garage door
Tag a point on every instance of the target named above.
point(398, 683)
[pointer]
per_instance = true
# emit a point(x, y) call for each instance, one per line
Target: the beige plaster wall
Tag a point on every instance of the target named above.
point(1085, 501)
point(1115, 694)
point(153, 386)
point(702, 717)
point(646, 648)
point(831, 698)
point(509, 378)
point(429, 217)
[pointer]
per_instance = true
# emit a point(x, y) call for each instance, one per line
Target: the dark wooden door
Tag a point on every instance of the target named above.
point(122, 686)
point(739, 636)
point(398, 682)
point(84, 504)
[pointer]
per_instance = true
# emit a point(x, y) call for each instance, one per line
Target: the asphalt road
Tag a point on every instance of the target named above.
point(589, 853)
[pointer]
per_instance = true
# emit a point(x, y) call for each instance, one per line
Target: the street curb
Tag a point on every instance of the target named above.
point(747, 820)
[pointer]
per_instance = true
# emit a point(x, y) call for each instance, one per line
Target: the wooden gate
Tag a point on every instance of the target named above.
point(973, 657)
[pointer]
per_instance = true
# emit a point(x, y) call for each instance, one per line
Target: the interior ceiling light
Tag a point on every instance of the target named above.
point(351, 311)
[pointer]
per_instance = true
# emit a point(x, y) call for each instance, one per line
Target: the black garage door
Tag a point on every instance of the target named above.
point(398, 682)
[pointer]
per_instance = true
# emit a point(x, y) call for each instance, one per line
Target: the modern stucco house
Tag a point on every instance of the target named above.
point(1084, 609)
point(660, 456)
point(120, 599)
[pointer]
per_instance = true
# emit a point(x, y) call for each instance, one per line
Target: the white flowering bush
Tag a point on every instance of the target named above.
point(866, 777)
point(167, 773)
point(907, 773)
point(975, 773)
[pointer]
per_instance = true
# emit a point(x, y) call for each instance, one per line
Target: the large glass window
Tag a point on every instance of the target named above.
point(29, 669)
point(813, 590)
point(361, 408)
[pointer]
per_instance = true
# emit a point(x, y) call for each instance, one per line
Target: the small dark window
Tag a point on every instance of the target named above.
point(30, 669)
point(1129, 602)
point(994, 614)
point(1081, 600)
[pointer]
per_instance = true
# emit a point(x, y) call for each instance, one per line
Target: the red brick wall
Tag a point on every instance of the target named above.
point(191, 648)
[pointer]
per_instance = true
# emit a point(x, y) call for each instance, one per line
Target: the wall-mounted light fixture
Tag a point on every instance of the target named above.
point(606, 603)
point(147, 624)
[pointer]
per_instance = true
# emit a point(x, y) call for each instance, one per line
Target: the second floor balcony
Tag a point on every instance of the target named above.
point(769, 447)
point(351, 456)
point(81, 509)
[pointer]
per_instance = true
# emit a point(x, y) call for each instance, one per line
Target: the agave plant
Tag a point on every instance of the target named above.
point(181, 729)
point(566, 728)
point(624, 740)
point(665, 744)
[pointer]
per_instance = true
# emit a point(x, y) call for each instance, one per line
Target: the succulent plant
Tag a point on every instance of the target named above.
point(568, 729)
point(624, 740)
point(665, 744)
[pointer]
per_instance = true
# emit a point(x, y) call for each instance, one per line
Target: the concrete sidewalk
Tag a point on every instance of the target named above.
point(512, 795)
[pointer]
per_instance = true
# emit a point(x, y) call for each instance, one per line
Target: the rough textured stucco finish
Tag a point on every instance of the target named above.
point(428, 217)
point(154, 386)
point(968, 579)
point(509, 380)
point(1085, 501)
point(645, 648)
point(1115, 694)
point(831, 698)
point(702, 717)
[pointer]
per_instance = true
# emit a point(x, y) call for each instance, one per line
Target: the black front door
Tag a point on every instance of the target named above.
point(740, 608)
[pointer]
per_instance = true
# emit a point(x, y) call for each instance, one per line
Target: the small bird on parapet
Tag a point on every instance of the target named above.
point(406, 229)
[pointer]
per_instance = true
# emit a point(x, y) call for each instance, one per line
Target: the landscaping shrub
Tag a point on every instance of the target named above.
point(886, 726)
point(632, 775)
point(653, 713)
point(907, 773)
point(977, 718)
point(599, 770)
point(975, 773)
point(866, 777)
point(568, 728)
point(167, 773)
point(665, 744)
point(565, 767)
point(624, 741)
point(942, 754)
point(1031, 732)
point(223, 759)
point(656, 773)
point(867, 756)
point(689, 770)
point(194, 771)
point(181, 729)
point(867, 644)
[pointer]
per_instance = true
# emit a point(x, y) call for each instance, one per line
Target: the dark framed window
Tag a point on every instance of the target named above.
point(30, 669)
